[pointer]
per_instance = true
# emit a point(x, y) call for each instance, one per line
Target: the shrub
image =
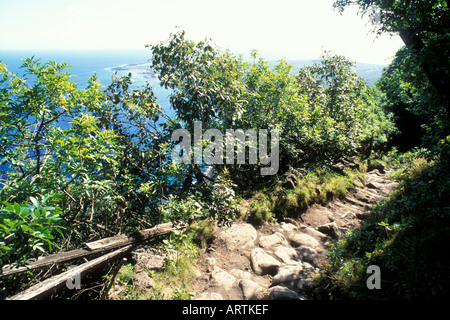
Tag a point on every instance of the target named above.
point(223, 204)
point(406, 236)
point(260, 210)
point(376, 164)
point(202, 232)
point(28, 229)
point(316, 187)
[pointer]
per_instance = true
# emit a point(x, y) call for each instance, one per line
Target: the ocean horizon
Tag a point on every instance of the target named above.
point(104, 63)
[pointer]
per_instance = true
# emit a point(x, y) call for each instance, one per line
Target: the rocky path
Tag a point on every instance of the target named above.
point(277, 261)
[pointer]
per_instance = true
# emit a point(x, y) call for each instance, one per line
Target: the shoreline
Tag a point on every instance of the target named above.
point(136, 69)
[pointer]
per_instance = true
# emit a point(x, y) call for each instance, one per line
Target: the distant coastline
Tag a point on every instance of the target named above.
point(105, 62)
point(136, 69)
point(369, 72)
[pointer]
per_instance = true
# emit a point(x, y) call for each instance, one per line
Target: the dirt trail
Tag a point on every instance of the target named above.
point(276, 261)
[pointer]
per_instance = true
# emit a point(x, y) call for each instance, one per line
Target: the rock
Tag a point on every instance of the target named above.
point(287, 227)
point(263, 263)
point(241, 274)
point(338, 167)
point(287, 255)
point(329, 229)
point(307, 269)
point(373, 185)
point(147, 258)
point(375, 172)
point(388, 188)
point(308, 254)
point(313, 233)
point(305, 285)
point(208, 296)
point(330, 216)
point(204, 277)
point(274, 239)
point(348, 215)
point(350, 163)
point(221, 278)
point(358, 183)
point(291, 181)
point(239, 235)
point(356, 203)
point(210, 262)
point(362, 215)
point(143, 280)
point(283, 293)
point(303, 239)
point(197, 273)
point(367, 196)
point(250, 289)
point(376, 165)
point(287, 274)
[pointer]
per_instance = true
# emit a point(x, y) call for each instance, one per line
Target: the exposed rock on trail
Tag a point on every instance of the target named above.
point(263, 263)
point(276, 261)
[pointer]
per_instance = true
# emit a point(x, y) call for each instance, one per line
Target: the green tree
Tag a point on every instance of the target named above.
point(93, 148)
point(423, 25)
point(319, 112)
point(205, 80)
point(51, 143)
point(418, 112)
point(344, 100)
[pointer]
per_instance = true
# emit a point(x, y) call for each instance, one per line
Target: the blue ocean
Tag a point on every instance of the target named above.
point(104, 64)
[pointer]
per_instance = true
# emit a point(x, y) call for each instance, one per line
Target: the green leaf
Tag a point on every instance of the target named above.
point(37, 213)
point(38, 246)
point(34, 202)
point(17, 208)
point(9, 207)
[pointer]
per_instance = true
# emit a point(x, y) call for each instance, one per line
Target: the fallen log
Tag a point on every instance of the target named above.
point(121, 240)
point(96, 247)
point(53, 284)
point(49, 260)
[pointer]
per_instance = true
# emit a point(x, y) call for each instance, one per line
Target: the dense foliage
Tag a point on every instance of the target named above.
point(319, 112)
point(423, 25)
point(103, 155)
point(81, 164)
point(71, 147)
point(407, 235)
point(419, 115)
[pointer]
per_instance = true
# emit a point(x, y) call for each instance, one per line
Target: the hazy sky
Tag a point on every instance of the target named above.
point(290, 29)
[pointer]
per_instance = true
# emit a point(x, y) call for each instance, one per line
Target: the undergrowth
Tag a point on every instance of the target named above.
point(407, 236)
point(172, 282)
point(291, 197)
